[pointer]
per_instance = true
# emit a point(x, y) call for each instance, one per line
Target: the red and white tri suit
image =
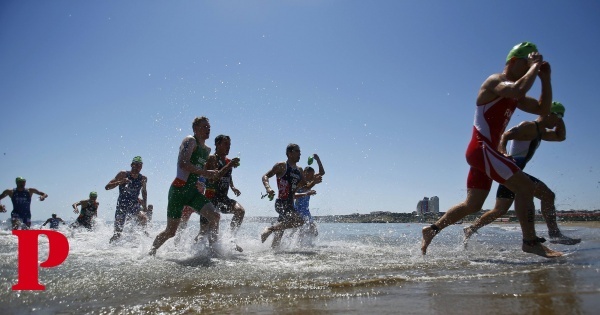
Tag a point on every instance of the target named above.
point(486, 162)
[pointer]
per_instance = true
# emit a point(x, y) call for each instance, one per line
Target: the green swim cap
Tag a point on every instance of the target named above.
point(93, 194)
point(20, 179)
point(137, 159)
point(558, 108)
point(521, 50)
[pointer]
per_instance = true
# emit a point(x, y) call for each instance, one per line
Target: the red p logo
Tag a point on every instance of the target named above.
point(58, 250)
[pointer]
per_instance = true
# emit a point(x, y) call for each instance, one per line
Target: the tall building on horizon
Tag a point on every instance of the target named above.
point(428, 205)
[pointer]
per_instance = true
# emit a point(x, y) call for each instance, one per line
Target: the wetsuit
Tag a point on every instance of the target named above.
point(287, 186)
point(521, 152)
point(21, 201)
point(128, 203)
point(486, 162)
point(183, 191)
point(89, 210)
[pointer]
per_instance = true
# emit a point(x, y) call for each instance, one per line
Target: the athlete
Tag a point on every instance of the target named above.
point(499, 95)
point(526, 138)
point(217, 189)
point(89, 211)
point(289, 180)
point(21, 199)
point(130, 183)
point(193, 154)
point(54, 222)
point(302, 196)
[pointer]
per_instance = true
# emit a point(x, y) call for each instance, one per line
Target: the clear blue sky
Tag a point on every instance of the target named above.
point(384, 91)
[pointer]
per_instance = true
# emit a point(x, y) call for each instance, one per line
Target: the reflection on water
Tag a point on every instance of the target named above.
point(353, 268)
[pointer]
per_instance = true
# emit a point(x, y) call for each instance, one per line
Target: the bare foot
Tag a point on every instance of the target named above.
point(540, 250)
point(468, 233)
point(428, 235)
point(265, 234)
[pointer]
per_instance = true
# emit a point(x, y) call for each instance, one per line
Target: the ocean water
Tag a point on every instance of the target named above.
point(350, 269)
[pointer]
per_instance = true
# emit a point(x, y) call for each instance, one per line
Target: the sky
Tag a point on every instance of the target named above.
point(383, 91)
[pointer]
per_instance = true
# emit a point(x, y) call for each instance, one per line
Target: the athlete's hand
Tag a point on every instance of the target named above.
point(76, 210)
point(311, 192)
point(271, 193)
point(533, 58)
point(2, 208)
point(236, 191)
point(544, 71)
point(318, 179)
point(235, 162)
point(42, 197)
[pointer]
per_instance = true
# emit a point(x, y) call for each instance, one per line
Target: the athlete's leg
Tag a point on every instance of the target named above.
point(210, 213)
point(547, 197)
point(120, 215)
point(163, 236)
point(523, 187)
point(473, 203)
point(238, 216)
point(500, 208)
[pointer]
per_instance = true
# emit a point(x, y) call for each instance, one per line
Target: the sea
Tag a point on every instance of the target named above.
point(355, 268)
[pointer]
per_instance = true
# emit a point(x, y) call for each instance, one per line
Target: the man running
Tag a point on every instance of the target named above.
point(289, 180)
point(54, 222)
point(130, 184)
point(21, 199)
point(497, 99)
point(193, 154)
point(89, 210)
point(526, 138)
point(303, 199)
point(217, 189)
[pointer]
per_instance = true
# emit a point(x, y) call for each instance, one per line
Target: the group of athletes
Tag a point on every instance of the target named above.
point(203, 180)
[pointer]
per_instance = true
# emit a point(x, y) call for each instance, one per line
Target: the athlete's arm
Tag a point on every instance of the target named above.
point(188, 146)
point(7, 192)
point(236, 191)
point(541, 106)
point(46, 222)
point(558, 134)
point(495, 85)
point(120, 179)
point(75, 205)
point(37, 192)
point(321, 168)
point(304, 194)
point(277, 170)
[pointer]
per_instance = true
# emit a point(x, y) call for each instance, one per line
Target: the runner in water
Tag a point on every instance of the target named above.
point(526, 138)
point(128, 207)
point(289, 180)
point(217, 189)
point(193, 154)
point(497, 99)
point(89, 210)
point(54, 222)
point(21, 199)
point(309, 229)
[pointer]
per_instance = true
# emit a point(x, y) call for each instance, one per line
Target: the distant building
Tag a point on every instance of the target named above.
point(428, 206)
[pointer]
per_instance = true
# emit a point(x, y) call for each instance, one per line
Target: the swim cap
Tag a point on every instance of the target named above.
point(137, 159)
point(558, 108)
point(20, 179)
point(54, 215)
point(521, 50)
point(93, 194)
